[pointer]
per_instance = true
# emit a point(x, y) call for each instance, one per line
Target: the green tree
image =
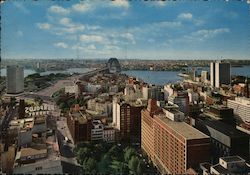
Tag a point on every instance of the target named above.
point(115, 152)
point(38, 100)
point(90, 165)
point(133, 163)
point(82, 154)
point(129, 152)
point(12, 101)
point(140, 168)
point(103, 165)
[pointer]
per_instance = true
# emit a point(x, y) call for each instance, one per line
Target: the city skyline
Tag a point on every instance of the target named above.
point(125, 29)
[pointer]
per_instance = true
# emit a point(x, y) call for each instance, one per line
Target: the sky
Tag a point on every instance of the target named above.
point(134, 29)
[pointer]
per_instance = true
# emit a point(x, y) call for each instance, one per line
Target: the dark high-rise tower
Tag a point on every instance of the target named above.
point(0, 67)
point(21, 109)
point(247, 88)
point(220, 73)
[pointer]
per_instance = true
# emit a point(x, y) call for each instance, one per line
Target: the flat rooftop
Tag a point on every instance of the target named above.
point(232, 159)
point(220, 169)
point(223, 128)
point(22, 123)
point(34, 150)
point(80, 117)
point(50, 147)
point(182, 128)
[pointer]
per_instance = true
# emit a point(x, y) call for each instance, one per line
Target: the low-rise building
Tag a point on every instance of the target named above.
point(225, 139)
point(227, 165)
point(41, 156)
point(182, 100)
point(28, 126)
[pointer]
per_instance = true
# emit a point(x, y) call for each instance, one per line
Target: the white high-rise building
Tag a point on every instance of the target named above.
point(241, 108)
point(204, 76)
point(15, 79)
point(220, 73)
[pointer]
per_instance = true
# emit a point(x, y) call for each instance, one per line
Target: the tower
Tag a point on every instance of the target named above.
point(247, 88)
point(15, 80)
point(220, 73)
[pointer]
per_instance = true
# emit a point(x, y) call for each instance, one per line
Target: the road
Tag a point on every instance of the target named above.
point(66, 150)
point(8, 117)
point(49, 91)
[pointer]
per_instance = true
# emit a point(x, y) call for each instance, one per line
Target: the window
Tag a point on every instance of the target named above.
point(39, 168)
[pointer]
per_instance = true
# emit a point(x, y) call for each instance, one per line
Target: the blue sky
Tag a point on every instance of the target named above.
point(126, 29)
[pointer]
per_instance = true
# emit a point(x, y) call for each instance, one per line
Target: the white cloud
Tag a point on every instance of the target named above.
point(91, 47)
point(61, 45)
point(21, 7)
point(120, 3)
point(161, 3)
point(73, 29)
point(129, 37)
point(185, 16)
point(206, 34)
point(151, 40)
point(70, 26)
point(91, 38)
point(66, 22)
point(59, 10)
point(44, 26)
point(19, 33)
point(81, 7)
point(93, 27)
point(111, 47)
point(167, 24)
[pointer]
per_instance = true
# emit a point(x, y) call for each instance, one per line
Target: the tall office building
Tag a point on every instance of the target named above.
point(204, 76)
point(172, 145)
point(0, 66)
point(212, 74)
point(15, 80)
point(220, 73)
point(127, 119)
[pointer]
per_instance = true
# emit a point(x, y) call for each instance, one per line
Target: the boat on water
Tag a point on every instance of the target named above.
point(183, 75)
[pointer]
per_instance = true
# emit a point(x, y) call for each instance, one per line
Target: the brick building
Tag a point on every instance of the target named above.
point(173, 146)
point(79, 125)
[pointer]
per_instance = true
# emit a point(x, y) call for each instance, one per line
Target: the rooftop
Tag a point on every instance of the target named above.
point(220, 169)
point(49, 147)
point(22, 123)
point(32, 151)
point(80, 117)
point(223, 128)
point(182, 128)
point(232, 159)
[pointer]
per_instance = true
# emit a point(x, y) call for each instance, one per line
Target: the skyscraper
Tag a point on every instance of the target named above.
point(15, 80)
point(212, 74)
point(0, 66)
point(220, 73)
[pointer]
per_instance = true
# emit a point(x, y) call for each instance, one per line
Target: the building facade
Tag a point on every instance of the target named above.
point(15, 80)
point(126, 119)
point(225, 139)
point(241, 107)
point(220, 73)
point(172, 146)
point(79, 126)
